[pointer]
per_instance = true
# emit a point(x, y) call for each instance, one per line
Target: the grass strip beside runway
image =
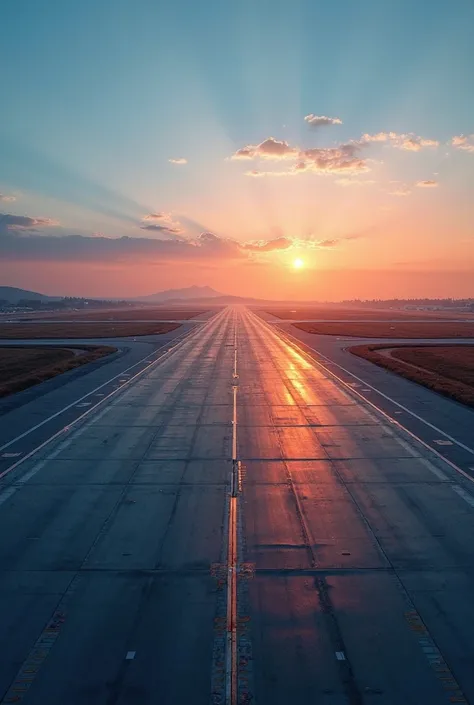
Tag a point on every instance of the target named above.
point(23, 367)
point(446, 369)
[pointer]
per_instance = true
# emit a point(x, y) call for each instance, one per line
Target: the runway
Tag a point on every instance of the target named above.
point(234, 526)
point(442, 423)
point(29, 417)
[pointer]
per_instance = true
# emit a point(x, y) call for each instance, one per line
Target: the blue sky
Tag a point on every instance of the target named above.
point(99, 95)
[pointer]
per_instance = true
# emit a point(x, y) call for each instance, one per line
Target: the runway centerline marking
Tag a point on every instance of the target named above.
point(231, 689)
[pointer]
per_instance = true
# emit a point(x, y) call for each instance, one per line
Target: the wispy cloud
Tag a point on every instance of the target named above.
point(399, 189)
point(354, 182)
point(335, 241)
point(23, 222)
point(409, 141)
point(256, 174)
point(463, 142)
point(270, 148)
point(279, 243)
point(6, 197)
point(414, 144)
point(429, 183)
point(157, 216)
point(180, 160)
point(327, 243)
point(321, 120)
point(161, 222)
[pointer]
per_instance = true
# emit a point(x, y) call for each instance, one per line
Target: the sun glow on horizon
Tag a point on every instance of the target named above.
point(298, 263)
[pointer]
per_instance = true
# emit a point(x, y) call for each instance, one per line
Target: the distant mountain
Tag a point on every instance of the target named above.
point(14, 295)
point(186, 294)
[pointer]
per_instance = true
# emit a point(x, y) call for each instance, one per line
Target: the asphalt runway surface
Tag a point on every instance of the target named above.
point(29, 417)
point(236, 525)
point(445, 425)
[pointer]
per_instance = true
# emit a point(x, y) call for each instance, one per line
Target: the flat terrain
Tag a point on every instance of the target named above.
point(347, 314)
point(123, 314)
point(408, 329)
point(44, 331)
point(448, 369)
point(236, 522)
point(21, 368)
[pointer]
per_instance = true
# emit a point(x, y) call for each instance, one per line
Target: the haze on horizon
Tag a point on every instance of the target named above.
point(147, 146)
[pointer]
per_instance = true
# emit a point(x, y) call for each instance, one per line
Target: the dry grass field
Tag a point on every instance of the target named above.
point(405, 329)
point(447, 369)
point(121, 314)
point(23, 367)
point(37, 330)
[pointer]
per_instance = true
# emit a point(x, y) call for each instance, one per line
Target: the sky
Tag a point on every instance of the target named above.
point(150, 145)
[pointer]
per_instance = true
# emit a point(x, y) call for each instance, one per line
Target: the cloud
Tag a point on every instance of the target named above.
point(270, 148)
point(180, 160)
point(414, 144)
point(409, 142)
point(378, 137)
point(429, 183)
point(463, 142)
point(20, 242)
point(23, 222)
point(5, 197)
point(157, 216)
point(327, 243)
point(354, 182)
point(321, 120)
point(344, 159)
point(255, 173)
point(402, 190)
point(99, 249)
point(279, 243)
point(161, 227)
point(207, 247)
point(161, 222)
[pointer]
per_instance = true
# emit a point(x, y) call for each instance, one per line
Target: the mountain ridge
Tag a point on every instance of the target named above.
point(13, 294)
point(186, 293)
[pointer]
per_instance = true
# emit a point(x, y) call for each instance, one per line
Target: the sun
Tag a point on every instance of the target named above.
point(298, 263)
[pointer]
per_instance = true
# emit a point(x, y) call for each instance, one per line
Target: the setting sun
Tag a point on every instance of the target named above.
point(298, 263)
